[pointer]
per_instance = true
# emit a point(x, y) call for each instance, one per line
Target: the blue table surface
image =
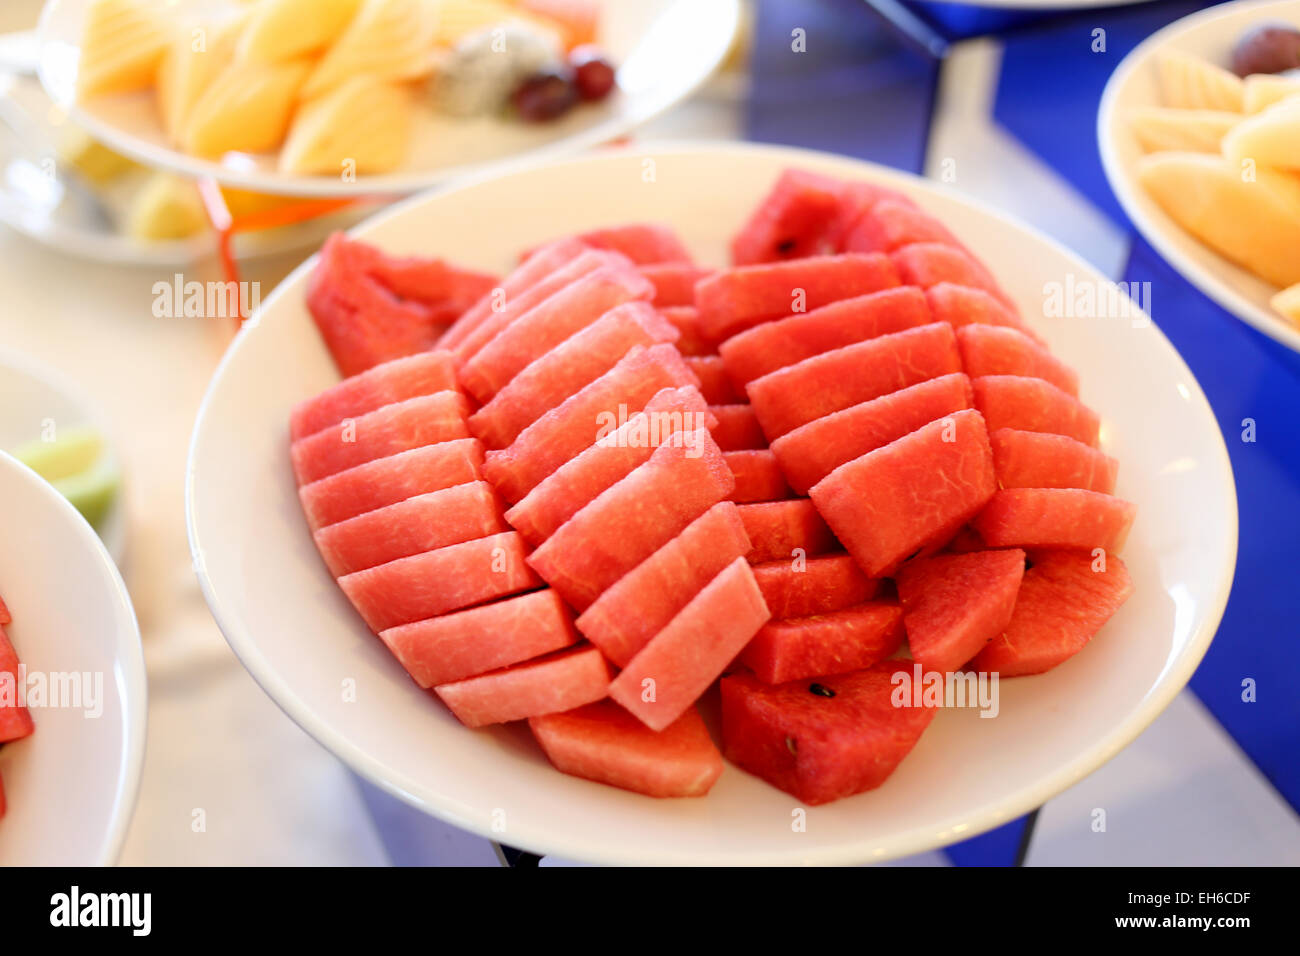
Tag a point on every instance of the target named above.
point(868, 94)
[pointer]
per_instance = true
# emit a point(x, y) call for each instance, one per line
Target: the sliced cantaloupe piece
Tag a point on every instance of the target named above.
point(388, 39)
point(1270, 138)
point(363, 125)
point(1253, 222)
point(1190, 83)
point(280, 30)
point(246, 109)
point(458, 19)
point(1198, 131)
point(196, 56)
point(1262, 90)
point(1287, 302)
point(121, 44)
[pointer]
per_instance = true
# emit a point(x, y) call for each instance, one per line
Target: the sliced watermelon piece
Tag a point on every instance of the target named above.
point(965, 541)
point(604, 743)
point(781, 530)
point(401, 426)
point(642, 602)
point(811, 452)
point(386, 481)
point(370, 308)
point(856, 200)
point(960, 305)
point(15, 720)
point(774, 345)
point(820, 740)
point(911, 494)
point(926, 264)
point(890, 225)
point(844, 377)
point(627, 522)
point(954, 604)
point(674, 282)
point(578, 360)
point(1032, 405)
point(733, 300)
point(1062, 603)
point(423, 523)
point(691, 339)
point(992, 350)
point(548, 685)
point(548, 324)
point(435, 582)
point(384, 384)
point(813, 586)
point(468, 643)
point(834, 643)
point(584, 417)
point(681, 661)
point(737, 428)
point(1040, 460)
point(571, 486)
point(793, 221)
point(758, 476)
point(643, 243)
point(5, 616)
point(1055, 518)
point(715, 385)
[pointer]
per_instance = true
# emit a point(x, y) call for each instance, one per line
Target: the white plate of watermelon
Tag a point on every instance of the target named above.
point(373, 477)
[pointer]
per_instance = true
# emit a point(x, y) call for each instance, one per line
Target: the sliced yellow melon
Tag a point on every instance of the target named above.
point(1199, 131)
point(91, 158)
point(458, 19)
point(363, 126)
point(1287, 302)
point(1256, 224)
point(121, 45)
point(286, 29)
point(1262, 90)
point(1270, 138)
point(246, 109)
point(194, 59)
point(166, 207)
point(1190, 83)
point(388, 39)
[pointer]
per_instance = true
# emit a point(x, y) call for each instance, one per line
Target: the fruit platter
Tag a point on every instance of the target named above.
point(710, 498)
point(315, 98)
point(1199, 130)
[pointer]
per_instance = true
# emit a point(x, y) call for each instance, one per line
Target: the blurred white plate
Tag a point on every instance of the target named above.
point(1211, 34)
point(295, 632)
point(663, 49)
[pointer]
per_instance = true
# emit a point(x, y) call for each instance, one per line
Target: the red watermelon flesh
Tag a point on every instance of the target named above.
point(793, 221)
point(575, 424)
point(691, 340)
point(1063, 601)
point(1040, 460)
point(642, 602)
point(965, 541)
point(961, 305)
point(435, 582)
point(674, 282)
point(990, 350)
point(781, 530)
point(401, 426)
point(954, 604)
point(833, 643)
point(808, 390)
point(395, 381)
point(774, 345)
point(15, 720)
point(5, 616)
point(643, 243)
point(733, 300)
point(548, 685)
point(911, 494)
point(856, 200)
point(364, 321)
point(815, 746)
point(468, 643)
point(604, 743)
point(530, 272)
point(630, 520)
point(926, 264)
point(386, 481)
point(423, 523)
point(1055, 518)
point(812, 586)
point(547, 325)
point(681, 661)
point(566, 490)
point(811, 452)
point(1032, 405)
point(890, 225)
point(737, 428)
point(714, 383)
point(758, 476)
point(578, 360)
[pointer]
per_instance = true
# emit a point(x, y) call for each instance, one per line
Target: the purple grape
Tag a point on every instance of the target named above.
point(1267, 48)
point(545, 96)
point(593, 73)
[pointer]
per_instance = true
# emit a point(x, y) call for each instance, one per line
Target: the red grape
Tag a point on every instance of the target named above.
point(545, 96)
point(593, 74)
point(1267, 48)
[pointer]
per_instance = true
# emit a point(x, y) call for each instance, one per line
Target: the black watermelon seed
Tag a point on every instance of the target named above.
point(821, 690)
point(791, 746)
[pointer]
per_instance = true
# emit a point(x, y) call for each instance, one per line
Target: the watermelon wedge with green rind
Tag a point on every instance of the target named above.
point(793, 221)
point(1055, 518)
point(1024, 459)
point(384, 384)
point(926, 264)
point(811, 586)
point(833, 643)
point(782, 530)
point(737, 428)
point(758, 476)
point(1030, 404)
point(994, 350)
point(674, 282)
point(547, 685)
point(715, 385)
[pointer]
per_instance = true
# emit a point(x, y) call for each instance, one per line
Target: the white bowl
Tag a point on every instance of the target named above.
point(664, 49)
point(297, 635)
point(71, 786)
point(1211, 34)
